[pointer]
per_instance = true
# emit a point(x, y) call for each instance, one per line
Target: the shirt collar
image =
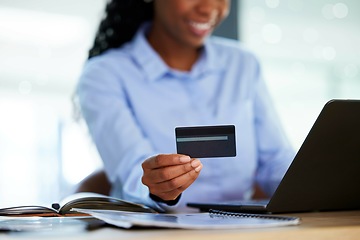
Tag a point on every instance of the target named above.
point(154, 67)
point(147, 58)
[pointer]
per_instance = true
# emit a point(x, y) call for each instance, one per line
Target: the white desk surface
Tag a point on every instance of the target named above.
point(326, 225)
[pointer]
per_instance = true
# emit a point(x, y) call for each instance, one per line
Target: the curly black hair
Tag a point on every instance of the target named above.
point(122, 20)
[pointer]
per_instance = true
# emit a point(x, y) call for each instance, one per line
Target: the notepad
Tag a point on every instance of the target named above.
point(211, 220)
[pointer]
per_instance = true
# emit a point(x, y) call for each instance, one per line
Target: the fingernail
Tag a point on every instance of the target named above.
point(184, 159)
point(198, 169)
point(195, 163)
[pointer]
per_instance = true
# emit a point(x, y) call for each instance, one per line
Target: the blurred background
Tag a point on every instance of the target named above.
point(309, 54)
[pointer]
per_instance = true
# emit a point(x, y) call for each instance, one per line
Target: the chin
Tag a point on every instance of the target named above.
point(198, 43)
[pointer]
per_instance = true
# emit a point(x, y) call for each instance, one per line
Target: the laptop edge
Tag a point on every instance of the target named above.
point(324, 171)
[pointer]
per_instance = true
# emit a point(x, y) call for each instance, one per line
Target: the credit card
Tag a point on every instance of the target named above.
point(206, 141)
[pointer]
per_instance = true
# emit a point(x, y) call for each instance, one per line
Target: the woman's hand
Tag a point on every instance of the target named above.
point(168, 175)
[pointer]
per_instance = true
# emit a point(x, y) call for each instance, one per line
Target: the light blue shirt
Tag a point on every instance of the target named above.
point(132, 102)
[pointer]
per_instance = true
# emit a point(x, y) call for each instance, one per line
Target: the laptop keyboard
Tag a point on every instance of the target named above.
point(248, 202)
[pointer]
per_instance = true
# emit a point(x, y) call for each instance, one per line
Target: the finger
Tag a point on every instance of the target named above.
point(167, 173)
point(182, 182)
point(173, 194)
point(169, 196)
point(164, 160)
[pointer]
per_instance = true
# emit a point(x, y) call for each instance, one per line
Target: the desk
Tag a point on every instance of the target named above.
point(326, 225)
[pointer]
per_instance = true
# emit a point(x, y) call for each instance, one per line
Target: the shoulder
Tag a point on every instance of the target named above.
point(110, 58)
point(114, 62)
point(102, 70)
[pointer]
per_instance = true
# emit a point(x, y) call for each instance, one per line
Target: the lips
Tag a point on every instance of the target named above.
point(202, 28)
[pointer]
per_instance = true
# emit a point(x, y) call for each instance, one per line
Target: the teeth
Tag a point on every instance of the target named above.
point(202, 26)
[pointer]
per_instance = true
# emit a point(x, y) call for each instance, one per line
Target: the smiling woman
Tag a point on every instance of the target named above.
point(306, 60)
point(169, 72)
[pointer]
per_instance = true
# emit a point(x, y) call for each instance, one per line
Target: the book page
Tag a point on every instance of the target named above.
point(29, 211)
point(99, 201)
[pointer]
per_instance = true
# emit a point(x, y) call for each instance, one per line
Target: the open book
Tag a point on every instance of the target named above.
point(77, 200)
point(211, 220)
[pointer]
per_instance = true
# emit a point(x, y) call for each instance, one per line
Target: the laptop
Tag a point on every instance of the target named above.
point(325, 173)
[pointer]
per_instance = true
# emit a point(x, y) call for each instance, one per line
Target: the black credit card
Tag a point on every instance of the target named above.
point(206, 141)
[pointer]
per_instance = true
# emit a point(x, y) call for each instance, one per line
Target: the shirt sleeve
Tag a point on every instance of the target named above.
point(119, 140)
point(275, 152)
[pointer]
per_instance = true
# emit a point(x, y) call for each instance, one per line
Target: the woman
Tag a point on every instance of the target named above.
point(154, 67)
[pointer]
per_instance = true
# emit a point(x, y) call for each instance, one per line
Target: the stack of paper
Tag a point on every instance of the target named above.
point(190, 221)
